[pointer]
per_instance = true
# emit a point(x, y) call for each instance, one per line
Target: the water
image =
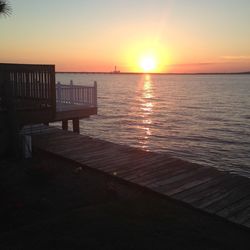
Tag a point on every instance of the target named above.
point(200, 118)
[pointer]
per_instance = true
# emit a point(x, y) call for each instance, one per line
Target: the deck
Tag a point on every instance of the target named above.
point(213, 191)
point(70, 111)
point(75, 101)
point(29, 95)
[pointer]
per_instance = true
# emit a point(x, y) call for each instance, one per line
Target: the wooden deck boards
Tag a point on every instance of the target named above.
point(224, 194)
point(193, 191)
point(230, 210)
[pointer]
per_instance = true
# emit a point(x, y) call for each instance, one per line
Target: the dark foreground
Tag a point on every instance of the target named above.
point(50, 203)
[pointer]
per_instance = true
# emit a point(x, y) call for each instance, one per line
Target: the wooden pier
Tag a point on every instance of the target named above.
point(216, 192)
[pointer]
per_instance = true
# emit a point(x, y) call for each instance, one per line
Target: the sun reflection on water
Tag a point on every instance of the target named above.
point(146, 110)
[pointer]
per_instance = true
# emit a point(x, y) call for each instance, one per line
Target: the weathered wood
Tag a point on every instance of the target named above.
point(76, 94)
point(206, 188)
point(74, 102)
point(123, 166)
point(163, 182)
point(241, 216)
point(142, 169)
point(105, 159)
point(32, 90)
point(235, 207)
point(65, 125)
point(192, 192)
point(215, 194)
point(183, 184)
point(172, 190)
point(69, 111)
point(234, 194)
point(211, 189)
point(170, 170)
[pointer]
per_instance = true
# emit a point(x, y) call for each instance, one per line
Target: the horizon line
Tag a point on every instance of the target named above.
point(153, 73)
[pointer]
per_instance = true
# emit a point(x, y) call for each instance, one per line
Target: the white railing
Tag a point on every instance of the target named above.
point(76, 94)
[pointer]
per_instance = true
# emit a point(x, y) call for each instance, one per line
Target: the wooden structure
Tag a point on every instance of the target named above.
point(28, 95)
point(31, 92)
point(28, 91)
point(74, 102)
point(76, 94)
point(219, 193)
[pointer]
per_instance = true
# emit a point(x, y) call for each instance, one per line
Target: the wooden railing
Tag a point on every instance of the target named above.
point(76, 94)
point(35, 83)
point(29, 89)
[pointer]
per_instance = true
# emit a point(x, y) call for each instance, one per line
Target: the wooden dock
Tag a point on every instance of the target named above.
point(220, 193)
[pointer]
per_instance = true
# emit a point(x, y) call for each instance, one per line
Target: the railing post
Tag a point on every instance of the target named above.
point(59, 95)
point(95, 93)
point(71, 92)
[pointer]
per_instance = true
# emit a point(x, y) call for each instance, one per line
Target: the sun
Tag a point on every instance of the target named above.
point(148, 63)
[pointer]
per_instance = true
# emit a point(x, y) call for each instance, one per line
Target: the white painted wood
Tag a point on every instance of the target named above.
point(76, 94)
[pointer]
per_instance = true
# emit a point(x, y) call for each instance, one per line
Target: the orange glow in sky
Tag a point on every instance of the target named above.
point(143, 36)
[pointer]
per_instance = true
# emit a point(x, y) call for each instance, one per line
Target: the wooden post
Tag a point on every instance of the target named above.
point(76, 127)
point(95, 93)
point(71, 92)
point(59, 95)
point(65, 125)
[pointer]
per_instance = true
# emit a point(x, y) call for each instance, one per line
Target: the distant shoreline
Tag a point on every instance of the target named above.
point(141, 73)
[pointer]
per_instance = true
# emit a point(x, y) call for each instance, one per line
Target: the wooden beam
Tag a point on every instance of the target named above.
point(65, 124)
point(76, 127)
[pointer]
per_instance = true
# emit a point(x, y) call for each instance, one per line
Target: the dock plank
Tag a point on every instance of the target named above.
point(155, 172)
point(233, 195)
point(193, 191)
point(185, 181)
point(143, 168)
point(242, 216)
point(121, 161)
point(163, 182)
point(221, 186)
point(215, 194)
point(235, 207)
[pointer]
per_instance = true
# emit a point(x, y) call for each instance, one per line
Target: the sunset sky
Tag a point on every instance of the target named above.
point(139, 35)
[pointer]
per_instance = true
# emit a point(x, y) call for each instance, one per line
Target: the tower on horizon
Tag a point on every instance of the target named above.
point(116, 71)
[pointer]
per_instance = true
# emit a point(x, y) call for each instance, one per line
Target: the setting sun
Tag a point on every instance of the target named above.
point(148, 63)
